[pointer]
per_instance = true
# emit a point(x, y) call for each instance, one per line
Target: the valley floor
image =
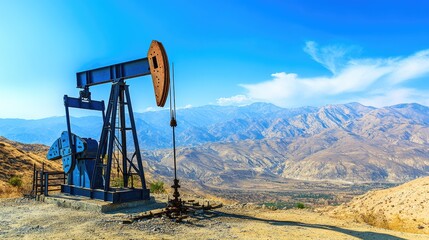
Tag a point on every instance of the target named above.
point(27, 219)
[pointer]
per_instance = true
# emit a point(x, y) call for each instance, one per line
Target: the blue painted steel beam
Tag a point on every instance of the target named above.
point(78, 103)
point(135, 68)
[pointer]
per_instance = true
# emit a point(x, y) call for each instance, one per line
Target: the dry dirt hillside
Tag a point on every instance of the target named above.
point(402, 208)
point(348, 142)
point(17, 159)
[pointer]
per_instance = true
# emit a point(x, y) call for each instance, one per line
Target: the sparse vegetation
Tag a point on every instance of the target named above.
point(278, 205)
point(157, 187)
point(16, 181)
point(300, 205)
point(314, 196)
point(117, 182)
point(16, 166)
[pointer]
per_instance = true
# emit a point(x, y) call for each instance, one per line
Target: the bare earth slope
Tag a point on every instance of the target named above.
point(17, 159)
point(403, 208)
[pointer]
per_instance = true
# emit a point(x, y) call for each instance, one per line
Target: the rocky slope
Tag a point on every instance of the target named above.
point(337, 156)
point(348, 142)
point(402, 208)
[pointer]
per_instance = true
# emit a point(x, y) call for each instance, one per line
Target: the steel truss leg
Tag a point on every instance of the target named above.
point(101, 177)
point(140, 170)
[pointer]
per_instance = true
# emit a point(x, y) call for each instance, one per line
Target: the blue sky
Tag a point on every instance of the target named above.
point(290, 53)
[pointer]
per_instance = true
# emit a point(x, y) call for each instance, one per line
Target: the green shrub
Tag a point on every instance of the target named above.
point(300, 205)
point(15, 181)
point(157, 187)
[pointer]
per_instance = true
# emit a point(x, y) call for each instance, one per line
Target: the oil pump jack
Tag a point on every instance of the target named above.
point(88, 163)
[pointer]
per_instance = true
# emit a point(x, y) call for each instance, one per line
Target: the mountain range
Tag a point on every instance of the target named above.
point(349, 142)
point(195, 125)
point(219, 145)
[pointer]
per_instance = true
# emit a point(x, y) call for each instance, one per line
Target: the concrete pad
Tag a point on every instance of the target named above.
point(87, 204)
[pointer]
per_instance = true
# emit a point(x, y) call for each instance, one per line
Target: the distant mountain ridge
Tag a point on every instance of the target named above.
point(348, 142)
point(227, 123)
point(196, 125)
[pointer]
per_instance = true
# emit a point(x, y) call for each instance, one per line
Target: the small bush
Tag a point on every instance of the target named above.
point(157, 187)
point(16, 181)
point(300, 205)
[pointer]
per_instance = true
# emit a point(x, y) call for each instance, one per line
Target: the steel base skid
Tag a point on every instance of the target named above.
point(115, 195)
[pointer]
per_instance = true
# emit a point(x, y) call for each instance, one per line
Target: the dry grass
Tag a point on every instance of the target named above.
point(17, 159)
point(8, 191)
point(402, 208)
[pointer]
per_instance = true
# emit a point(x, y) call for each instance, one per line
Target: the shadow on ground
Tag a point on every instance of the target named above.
point(354, 233)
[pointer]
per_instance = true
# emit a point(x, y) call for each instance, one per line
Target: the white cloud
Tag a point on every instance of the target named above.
point(234, 100)
point(416, 65)
point(185, 107)
point(331, 57)
point(395, 96)
point(152, 109)
point(354, 77)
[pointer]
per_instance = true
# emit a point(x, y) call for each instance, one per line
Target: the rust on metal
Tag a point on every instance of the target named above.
point(159, 69)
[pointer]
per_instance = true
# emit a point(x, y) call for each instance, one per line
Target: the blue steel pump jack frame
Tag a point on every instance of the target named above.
point(119, 100)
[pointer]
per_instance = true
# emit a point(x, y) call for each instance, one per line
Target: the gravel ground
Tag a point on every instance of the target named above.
point(28, 219)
